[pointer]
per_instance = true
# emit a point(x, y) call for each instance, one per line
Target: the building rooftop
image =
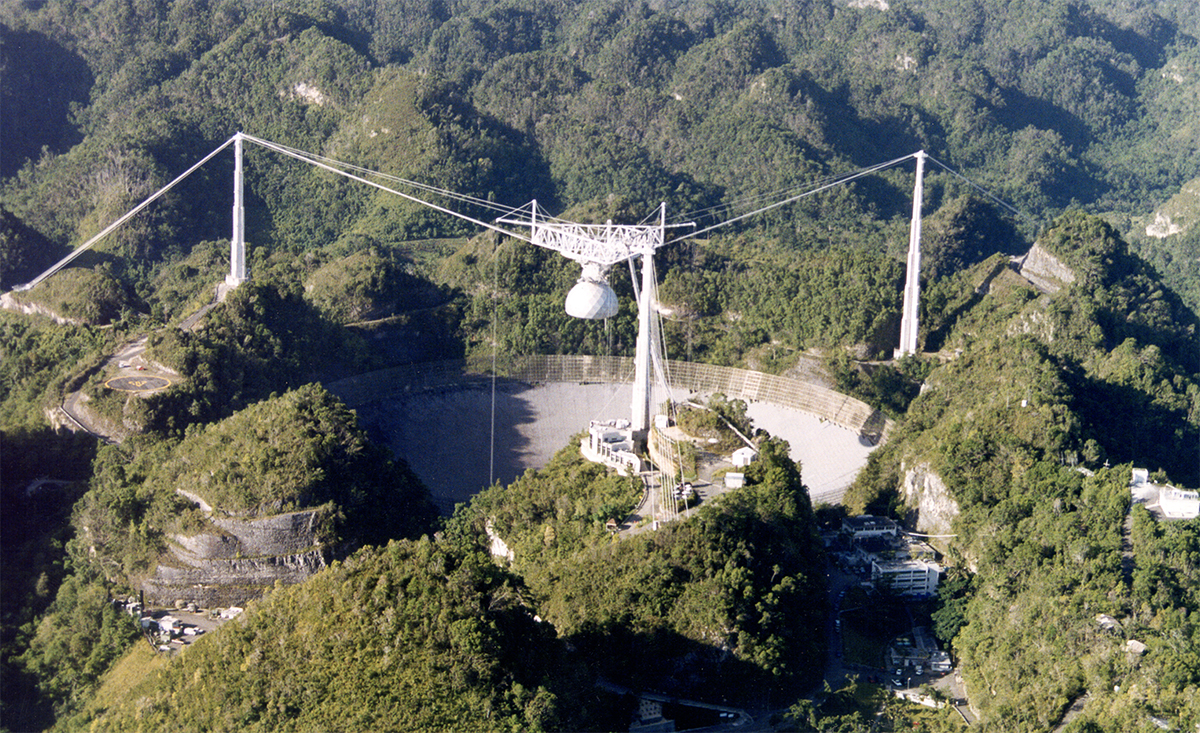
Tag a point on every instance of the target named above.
point(867, 523)
point(899, 565)
point(1163, 500)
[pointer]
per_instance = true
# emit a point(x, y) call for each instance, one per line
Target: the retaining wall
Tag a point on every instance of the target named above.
point(238, 561)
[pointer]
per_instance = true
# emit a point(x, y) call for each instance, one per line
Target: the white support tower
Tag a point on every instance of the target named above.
point(237, 242)
point(647, 343)
point(910, 320)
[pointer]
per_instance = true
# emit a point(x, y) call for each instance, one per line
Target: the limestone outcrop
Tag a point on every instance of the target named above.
point(1045, 271)
point(9, 302)
point(931, 507)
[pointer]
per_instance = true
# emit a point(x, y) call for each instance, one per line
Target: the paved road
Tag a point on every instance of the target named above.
point(128, 367)
point(837, 670)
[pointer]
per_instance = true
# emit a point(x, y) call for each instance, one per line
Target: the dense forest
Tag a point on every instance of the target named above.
point(1045, 387)
point(1066, 124)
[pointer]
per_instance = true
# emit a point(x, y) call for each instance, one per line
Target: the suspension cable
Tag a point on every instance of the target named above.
point(842, 179)
point(753, 199)
point(128, 215)
point(360, 179)
point(992, 197)
point(495, 349)
point(344, 169)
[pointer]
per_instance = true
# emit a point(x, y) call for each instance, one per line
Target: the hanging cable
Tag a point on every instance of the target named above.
point(992, 197)
point(128, 215)
point(495, 349)
point(316, 159)
point(360, 179)
point(812, 187)
point(776, 205)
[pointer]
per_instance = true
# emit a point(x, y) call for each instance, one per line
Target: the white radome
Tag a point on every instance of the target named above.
point(592, 299)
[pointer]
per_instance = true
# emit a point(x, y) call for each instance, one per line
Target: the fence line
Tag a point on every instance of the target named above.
point(839, 409)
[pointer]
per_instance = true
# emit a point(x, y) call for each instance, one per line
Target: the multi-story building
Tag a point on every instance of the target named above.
point(906, 577)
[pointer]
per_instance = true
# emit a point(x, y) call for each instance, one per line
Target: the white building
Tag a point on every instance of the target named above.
point(1170, 502)
point(906, 577)
point(940, 661)
point(743, 457)
point(867, 525)
point(611, 442)
point(1179, 504)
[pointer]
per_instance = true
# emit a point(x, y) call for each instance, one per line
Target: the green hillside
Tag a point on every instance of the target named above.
point(301, 450)
point(710, 608)
point(404, 637)
point(1044, 385)
point(443, 634)
point(1058, 338)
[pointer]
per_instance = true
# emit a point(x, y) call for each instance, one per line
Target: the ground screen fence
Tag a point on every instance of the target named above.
point(839, 409)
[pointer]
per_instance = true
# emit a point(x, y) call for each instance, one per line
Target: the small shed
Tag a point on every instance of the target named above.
point(742, 457)
point(735, 480)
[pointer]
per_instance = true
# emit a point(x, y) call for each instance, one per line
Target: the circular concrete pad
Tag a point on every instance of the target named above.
point(138, 383)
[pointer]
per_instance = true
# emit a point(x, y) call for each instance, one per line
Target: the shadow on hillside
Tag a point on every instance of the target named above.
point(666, 662)
point(48, 79)
point(445, 436)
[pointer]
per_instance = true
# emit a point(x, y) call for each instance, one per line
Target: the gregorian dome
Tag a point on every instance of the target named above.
point(591, 298)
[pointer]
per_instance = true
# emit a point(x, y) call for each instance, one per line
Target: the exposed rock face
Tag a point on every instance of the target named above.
point(239, 560)
point(1047, 273)
point(931, 508)
point(1162, 227)
point(1178, 214)
point(76, 406)
point(498, 548)
point(9, 302)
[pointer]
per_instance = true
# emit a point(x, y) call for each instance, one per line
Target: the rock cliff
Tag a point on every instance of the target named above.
point(1045, 271)
point(931, 507)
point(9, 302)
